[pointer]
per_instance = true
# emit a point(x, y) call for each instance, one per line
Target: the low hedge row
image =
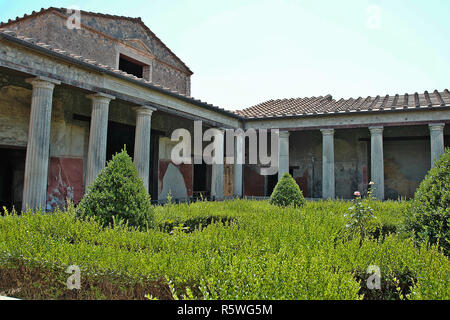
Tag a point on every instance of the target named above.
point(253, 250)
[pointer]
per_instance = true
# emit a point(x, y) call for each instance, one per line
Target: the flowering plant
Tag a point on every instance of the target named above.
point(371, 190)
point(360, 217)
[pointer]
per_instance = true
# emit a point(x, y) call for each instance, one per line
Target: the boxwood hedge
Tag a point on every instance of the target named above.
point(251, 250)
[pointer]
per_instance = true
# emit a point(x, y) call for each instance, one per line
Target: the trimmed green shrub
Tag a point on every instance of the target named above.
point(269, 253)
point(117, 196)
point(287, 193)
point(430, 216)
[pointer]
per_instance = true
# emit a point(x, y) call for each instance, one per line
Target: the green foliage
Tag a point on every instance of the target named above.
point(260, 252)
point(117, 196)
point(287, 193)
point(430, 218)
point(360, 218)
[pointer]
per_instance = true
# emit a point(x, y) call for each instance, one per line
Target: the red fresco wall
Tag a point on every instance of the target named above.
point(253, 183)
point(186, 171)
point(303, 183)
point(65, 181)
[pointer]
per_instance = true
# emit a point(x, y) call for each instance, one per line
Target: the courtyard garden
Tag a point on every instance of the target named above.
point(282, 248)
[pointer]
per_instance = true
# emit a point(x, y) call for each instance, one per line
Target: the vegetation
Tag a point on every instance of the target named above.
point(430, 218)
point(117, 195)
point(286, 248)
point(360, 217)
point(237, 249)
point(287, 193)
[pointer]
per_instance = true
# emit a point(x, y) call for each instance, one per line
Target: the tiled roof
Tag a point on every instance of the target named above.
point(64, 11)
point(273, 108)
point(328, 105)
point(8, 34)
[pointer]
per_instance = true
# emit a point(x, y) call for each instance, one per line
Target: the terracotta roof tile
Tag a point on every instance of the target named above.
point(323, 105)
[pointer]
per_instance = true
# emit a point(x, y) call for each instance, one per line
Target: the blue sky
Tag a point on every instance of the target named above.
point(243, 52)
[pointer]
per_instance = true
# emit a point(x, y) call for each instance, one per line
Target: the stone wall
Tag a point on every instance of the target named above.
point(51, 29)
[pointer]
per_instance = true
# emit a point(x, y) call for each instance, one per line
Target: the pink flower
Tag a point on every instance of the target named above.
point(357, 193)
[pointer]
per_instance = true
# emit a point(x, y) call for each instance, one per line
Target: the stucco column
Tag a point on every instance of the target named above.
point(217, 169)
point(328, 186)
point(437, 141)
point(142, 143)
point(238, 165)
point(283, 153)
point(97, 136)
point(36, 162)
point(376, 161)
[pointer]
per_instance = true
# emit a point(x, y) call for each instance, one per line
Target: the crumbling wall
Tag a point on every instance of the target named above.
point(350, 155)
point(172, 178)
point(15, 107)
point(68, 137)
point(406, 159)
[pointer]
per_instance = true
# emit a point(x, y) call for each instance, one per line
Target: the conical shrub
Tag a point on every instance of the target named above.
point(287, 192)
point(117, 195)
point(430, 218)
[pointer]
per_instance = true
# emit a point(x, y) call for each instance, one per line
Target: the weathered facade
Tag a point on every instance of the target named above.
point(71, 98)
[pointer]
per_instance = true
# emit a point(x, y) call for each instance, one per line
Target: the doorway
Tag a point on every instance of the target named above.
point(12, 173)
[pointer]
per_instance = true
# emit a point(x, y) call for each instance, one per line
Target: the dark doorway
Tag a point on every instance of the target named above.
point(119, 136)
point(12, 172)
point(200, 180)
point(122, 135)
point(272, 181)
point(154, 166)
point(131, 66)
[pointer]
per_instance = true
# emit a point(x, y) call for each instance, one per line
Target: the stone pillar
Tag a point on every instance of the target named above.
point(142, 143)
point(217, 170)
point(97, 136)
point(283, 153)
point(328, 185)
point(36, 163)
point(437, 141)
point(376, 161)
point(239, 160)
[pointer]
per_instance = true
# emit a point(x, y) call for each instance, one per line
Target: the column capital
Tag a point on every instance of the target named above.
point(42, 82)
point(284, 134)
point(145, 110)
point(376, 130)
point(436, 126)
point(327, 132)
point(101, 97)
